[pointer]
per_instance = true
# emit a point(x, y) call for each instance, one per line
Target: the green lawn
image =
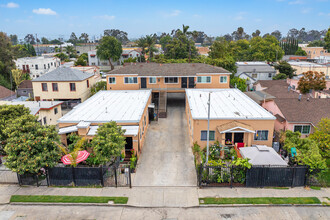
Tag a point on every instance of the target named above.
point(68, 199)
point(261, 200)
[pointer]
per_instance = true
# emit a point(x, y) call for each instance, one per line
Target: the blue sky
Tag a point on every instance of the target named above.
point(53, 19)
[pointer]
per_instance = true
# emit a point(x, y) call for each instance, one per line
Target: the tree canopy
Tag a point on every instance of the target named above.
point(311, 81)
point(322, 136)
point(109, 142)
point(180, 47)
point(109, 48)
point(285, 68)
point(327, 40)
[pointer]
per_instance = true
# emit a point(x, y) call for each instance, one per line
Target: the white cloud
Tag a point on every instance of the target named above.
point(44, 11)
point(323, 14)
point(297, 2)
point(106, 17)
point(173, 13)
point(10, 5)
point(306, 10)
point(240, 16)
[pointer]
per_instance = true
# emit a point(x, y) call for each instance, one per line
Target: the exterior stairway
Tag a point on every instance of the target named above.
point(162, 104)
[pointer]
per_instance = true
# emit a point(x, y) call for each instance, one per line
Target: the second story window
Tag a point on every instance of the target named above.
point(55, 87)
point(203, 79)
point(152, 80)
point(223, 79)
point(44, 87)
point(87, 83)
point(36, 66)
point(72, 87)
point(130, 80)
point(55, 111)
point(112, 80)
point(171, 79)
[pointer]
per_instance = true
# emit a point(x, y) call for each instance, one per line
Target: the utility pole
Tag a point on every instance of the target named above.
point(208, 129)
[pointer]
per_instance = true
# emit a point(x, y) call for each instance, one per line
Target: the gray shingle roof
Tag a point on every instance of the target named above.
point(168, 69)
point(255, 68)
point(63, 74)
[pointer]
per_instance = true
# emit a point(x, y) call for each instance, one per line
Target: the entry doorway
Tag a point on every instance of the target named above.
point(184, 82)
point(238, 137)
point(191, 82)
point(128, 148)
point(143, 83)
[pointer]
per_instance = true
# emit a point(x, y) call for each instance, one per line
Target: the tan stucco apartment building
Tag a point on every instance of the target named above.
point(64, 84)
point(48, 112)
point(129, 109)
point(234, 117)
point(167, 78)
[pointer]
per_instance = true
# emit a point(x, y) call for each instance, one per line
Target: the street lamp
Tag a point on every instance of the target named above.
point(208, 130)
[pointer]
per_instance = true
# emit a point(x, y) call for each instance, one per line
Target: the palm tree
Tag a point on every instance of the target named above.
point(70, 50)
point(150, 42)
point(185, 29)
point(141, 42)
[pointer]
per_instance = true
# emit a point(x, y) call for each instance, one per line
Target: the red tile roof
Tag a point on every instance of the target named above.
point(4, 92)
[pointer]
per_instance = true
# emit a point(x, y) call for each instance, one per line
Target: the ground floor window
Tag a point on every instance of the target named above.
point(261, 135)
point(112, 80)
point(303, 129)
point(131, 80)
point(204, 135)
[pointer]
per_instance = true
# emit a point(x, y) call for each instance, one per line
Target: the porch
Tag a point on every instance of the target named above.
point(235, 132)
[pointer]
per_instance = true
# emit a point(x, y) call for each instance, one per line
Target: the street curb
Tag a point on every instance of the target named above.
point(183, 207)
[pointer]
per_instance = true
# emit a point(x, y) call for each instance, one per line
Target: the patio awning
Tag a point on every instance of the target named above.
point(67, 130)
point(130, 130)
point(235, 127)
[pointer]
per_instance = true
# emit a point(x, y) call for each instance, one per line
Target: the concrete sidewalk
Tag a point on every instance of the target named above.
point(162, 196)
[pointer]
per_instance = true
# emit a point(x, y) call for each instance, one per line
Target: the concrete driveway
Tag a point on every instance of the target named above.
point(167, 158)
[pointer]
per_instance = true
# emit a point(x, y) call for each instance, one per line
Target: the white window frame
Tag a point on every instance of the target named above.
point(209, 135)
point(112, 78)
point(204, 77)
point(302, 128)
point(130, 77)
point(151, 78)
point(223, 77)
point(172, 82)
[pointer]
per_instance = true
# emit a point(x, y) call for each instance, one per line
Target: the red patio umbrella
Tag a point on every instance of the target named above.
point(82, 155)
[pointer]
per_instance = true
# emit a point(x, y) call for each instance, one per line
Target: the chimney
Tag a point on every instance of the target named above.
point(299, 98)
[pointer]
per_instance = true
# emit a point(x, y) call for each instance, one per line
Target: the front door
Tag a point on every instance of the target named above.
point(238, 137)
point(143, 83)
point(191, 82)
point(183, 82)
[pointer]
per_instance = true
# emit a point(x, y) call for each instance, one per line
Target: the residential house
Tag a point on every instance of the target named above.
point(129, 109)
point(25, 89)
point(37, 66)
point(203, 51)
point(85, 47)
point(41, 49)
point(6, 94)
point(302, 67)
point(64, 84)
point(313, 52)
point(292, 110)
point(165, 78)
point(234, 118)
point(93, 60)
point(48, 112)
point(254, 71)
point(293, 83)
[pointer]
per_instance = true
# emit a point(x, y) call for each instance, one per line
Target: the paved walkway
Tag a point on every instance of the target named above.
point(167, 158)
point(162, 196)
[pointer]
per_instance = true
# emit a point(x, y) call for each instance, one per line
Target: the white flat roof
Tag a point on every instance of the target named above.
point(121, 106)
point(67, 130)
point(34, 106)
point(130, 130)
point(262, 155)
point(225, 104)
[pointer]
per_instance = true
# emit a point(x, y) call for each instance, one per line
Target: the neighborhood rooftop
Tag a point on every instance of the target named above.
point(63, 75)
point(34, 107)
point(304, 111)
point(169, 69)
point(254, 67)
point(225, 104)
point(104, 106)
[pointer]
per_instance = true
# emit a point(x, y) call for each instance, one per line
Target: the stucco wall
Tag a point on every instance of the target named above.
point(82, 92)
point(51, 117)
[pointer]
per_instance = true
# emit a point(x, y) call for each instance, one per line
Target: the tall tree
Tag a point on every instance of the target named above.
point(13, 39)
point(150, 43)
point(141, 42)
point(44, 40)
point(109, 142)
point(70, 51)
point(311, 81)
point(73, 38)
point(164, 41)
point(180, 47)
point(220, 49)
point(277, 34)
point(84, 37)
point(121, 36)
point(239, 34)
point(293, 33)
point(109, 48)
point(322, 136)
point(327, 41)
point(18, 76)
point(29, 39)
point(256, 33)
point(285, 68)
point(30, 145)
point(6, 60)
